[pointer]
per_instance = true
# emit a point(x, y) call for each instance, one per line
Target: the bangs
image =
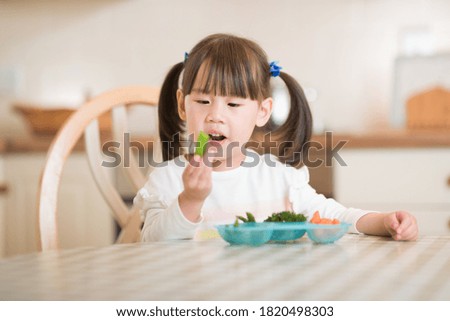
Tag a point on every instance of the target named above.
point(222, 78)
point(227, 69)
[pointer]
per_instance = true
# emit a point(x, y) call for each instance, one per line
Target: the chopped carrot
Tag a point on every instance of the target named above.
point(316, 219)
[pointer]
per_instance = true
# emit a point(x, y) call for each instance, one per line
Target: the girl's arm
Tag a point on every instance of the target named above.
point(168, 211)
point(197, 186)
point(165, 222)
point(401, 225)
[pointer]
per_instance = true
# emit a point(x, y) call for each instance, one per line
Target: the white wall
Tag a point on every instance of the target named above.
point(345, 49)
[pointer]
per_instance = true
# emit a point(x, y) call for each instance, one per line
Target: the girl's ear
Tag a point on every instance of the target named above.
point(264, 112)
point(180, 103)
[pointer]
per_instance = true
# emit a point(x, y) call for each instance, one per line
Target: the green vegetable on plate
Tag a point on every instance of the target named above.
point(286, 216)
point(249, 219)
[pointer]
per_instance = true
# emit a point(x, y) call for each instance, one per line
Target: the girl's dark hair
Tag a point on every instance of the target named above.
point(170, 124)
point(233, 66)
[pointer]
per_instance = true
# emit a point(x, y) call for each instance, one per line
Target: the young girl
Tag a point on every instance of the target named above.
point(223, 89)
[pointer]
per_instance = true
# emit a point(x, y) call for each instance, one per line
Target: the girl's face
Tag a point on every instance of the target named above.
point(229, 121)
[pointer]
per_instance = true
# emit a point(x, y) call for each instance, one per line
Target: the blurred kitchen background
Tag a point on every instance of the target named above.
point(360, 62)
point(57, 52)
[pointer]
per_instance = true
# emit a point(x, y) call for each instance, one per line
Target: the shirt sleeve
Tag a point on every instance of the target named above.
point(163, 220)
point(306, 200)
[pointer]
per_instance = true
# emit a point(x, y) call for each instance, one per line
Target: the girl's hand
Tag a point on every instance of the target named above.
point(401, 225)
point(197, 186)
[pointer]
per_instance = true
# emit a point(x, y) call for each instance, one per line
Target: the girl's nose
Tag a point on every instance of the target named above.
point(215, 113)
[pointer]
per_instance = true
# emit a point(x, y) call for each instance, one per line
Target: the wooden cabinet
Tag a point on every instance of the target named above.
point(388, 179)
point(84, 216)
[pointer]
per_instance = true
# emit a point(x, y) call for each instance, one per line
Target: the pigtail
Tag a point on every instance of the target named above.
point(295, 133)
point(170, 124)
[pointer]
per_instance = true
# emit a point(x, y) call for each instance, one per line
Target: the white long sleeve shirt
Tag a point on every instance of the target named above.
point(261, 185)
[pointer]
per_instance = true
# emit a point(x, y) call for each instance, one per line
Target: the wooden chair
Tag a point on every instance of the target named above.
point(84, 120)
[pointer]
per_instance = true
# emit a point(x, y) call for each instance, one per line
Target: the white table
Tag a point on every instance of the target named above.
point(354, 268)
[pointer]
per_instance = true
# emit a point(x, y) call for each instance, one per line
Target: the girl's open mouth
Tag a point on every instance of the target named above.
point(217, 137)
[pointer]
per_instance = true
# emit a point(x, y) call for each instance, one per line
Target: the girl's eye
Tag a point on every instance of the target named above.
point(233, 104)
point(202, 102)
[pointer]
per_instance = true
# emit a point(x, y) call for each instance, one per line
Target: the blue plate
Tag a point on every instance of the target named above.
point(259, 233)
point(327, 233)
point(288, 231)
point(248, 233)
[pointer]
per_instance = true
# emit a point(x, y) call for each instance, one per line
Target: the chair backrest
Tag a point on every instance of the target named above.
point(84, 120)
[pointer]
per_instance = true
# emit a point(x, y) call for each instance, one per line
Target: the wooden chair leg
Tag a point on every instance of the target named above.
point(131, 231)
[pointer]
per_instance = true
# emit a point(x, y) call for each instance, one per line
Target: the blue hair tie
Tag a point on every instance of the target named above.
point(274, 69)
point(186, 56)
